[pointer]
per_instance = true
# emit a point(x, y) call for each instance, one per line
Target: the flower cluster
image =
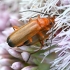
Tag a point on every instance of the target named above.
point(61, 28)
point(11, 58)
point(15, 58)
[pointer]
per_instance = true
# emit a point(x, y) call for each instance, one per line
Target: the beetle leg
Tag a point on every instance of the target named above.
point(42, 44)
point(47, 28)
point(40, 34)
point(30, 39)
point(15, 27)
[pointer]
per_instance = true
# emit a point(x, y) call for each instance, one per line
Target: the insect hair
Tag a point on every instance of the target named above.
point(38, 12)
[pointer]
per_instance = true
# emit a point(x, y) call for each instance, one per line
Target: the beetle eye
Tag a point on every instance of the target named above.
point(51, 23)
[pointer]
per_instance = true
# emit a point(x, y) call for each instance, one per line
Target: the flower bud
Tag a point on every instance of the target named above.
point(14, 21)
point(17, 65)
point(8, 31)
point(3, 51)
point(5, 68)
point(29, 68)
point(25, 56)
point(15, 53)
point(6, 62)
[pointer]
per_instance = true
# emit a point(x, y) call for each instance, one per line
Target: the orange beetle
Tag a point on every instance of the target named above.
point(35, 28)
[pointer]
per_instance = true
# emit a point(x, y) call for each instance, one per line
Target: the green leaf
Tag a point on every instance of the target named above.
point(43, 66)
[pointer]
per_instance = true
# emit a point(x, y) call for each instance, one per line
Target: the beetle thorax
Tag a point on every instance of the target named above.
point(43, 22)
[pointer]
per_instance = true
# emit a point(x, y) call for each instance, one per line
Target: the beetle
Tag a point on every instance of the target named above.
point(32, 32)
point(34, 27)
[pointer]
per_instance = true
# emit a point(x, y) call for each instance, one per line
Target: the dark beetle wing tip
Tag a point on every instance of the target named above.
point(10, 42)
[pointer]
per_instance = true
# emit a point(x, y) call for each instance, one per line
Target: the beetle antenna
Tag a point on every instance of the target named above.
point(35, 11)
point(51, 39)
point(38, 12)
point(51, 35)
